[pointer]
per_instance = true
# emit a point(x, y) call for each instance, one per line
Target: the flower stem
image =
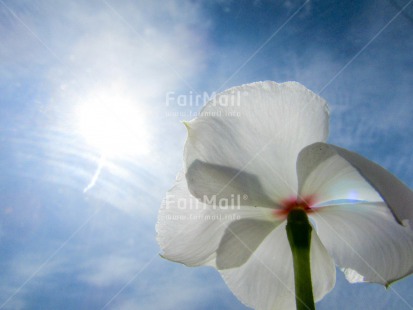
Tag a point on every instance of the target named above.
point(299, 237)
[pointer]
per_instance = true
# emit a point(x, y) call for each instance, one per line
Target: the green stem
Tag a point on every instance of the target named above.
point(299, 237)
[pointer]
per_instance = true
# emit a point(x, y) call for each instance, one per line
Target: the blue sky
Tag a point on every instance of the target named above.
point(78, 212)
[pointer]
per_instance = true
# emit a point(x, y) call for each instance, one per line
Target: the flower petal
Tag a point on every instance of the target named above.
point(326, 176)
point(218, 185)
point(366, 241)
point(398, 197)
point(259, 128)
point(266, 280)
point(240, 240)
point(189, 231)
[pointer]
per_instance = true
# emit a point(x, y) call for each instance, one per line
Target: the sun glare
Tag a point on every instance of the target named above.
point(114, 126)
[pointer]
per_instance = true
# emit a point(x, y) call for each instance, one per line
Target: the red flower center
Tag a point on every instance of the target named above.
point(289, 204)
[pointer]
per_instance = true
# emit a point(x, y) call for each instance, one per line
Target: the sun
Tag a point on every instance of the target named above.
point(113, 124)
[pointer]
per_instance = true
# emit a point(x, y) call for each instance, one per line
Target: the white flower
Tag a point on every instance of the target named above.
point(255, 152)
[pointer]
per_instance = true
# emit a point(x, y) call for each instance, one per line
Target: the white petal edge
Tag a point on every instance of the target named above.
point(246, 133)
point(398, 197)
point(326, 176)
point(365, 238)
point(266, 280)
point(189, 231)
